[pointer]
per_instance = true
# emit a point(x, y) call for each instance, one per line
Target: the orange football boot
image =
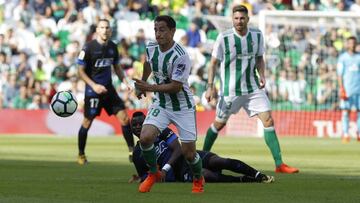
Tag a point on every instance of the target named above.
point(283, 168)
point(150, 180)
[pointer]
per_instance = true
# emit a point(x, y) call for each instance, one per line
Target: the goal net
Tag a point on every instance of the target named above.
point(302, 48)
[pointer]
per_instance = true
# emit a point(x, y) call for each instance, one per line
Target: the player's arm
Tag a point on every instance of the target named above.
point(99, 89)
point(172, 87)
point(146, 71)
point(173, 142)
point(179, 75)
point(210, 91)
point(120, 73)
point(139, 163)
point(340, 70)
point(260, 66)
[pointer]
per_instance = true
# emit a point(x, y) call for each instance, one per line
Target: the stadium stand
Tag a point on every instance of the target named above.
point(40, 40)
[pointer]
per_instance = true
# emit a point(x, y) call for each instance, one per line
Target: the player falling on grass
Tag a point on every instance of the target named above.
point(240, 51)
point(348, 69)
point(174, 168)
point(174, 103)
point(95, 61)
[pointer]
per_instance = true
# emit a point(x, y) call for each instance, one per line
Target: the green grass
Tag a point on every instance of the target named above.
point(43, 169)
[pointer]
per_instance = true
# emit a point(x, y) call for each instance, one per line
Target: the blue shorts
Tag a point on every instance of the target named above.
point(352, 102)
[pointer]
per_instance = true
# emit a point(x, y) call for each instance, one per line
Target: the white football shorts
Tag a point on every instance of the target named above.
point(254, 103)
point(184, 120)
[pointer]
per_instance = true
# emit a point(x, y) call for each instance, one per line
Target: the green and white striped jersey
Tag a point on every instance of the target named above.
point(174, 64)
point(238, 55)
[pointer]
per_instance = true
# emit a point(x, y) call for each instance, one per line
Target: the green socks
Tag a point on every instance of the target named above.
point(196, 166)
point(210, 138)
point(149, 155)
point(273, 144)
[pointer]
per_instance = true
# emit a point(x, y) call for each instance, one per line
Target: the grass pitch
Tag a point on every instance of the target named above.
point(43, 169)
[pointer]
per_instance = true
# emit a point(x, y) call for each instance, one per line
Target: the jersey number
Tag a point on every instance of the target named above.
point(154, 112)
point(94, 102)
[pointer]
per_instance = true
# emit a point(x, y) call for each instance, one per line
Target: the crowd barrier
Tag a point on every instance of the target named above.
point(287, 123)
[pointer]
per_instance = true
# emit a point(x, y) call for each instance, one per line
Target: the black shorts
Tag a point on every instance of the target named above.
point(110, 101)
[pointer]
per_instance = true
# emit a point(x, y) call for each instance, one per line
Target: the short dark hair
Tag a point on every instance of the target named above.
point(104, 20)
point(352, 38)
point(170, 22)
point(138, 113)
point(240, 8)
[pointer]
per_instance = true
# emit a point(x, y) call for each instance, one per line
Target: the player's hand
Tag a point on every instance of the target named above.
point(139, 93)
point(141, 85)
point(262, 82)
point(343, 94)
point(99, 89)
point(134, 178)
point(210, 94)
point(163, 175)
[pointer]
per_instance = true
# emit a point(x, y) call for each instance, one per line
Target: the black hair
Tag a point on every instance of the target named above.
point(240, 8)
point(137, 120)
point(138, 113)
point(170, 22)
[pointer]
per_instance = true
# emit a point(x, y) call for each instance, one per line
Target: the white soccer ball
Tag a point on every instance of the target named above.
point(63, 104)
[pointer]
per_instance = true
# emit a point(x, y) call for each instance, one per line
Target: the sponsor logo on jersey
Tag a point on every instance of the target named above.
point(180, 69)
point(161, 148)
point(160, 76)
point(104, 62)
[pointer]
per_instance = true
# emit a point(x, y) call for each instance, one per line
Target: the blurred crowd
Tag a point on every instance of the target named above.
point(40, 41)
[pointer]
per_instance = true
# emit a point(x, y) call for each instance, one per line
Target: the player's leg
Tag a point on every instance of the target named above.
point(357, 103)
point(345, 125)
point(358, 126)
point(212, 134)
point(217, 163)
point(195, 163)
point(258, 104)
point(82, 137)
point(114, 105)
point(217, 177)
point(185, 123)
point(123, 117)
point(156, 121)
point(92, 107)
point(345, 105)
point(273, 143)
point(224, 109)
point(147, 138)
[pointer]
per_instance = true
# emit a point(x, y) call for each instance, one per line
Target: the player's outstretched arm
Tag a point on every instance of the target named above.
point(172, 87)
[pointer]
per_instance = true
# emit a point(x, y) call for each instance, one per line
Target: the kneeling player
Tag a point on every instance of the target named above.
point(175, 169)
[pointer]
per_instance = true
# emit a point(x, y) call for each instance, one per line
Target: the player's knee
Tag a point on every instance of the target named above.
point(86, 123)
point(189, 155)
point(123, 118)
point(219, 125)
point(268, 122)
point(146, 138)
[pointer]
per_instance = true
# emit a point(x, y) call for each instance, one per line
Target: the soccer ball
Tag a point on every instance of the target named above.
point(63, 104)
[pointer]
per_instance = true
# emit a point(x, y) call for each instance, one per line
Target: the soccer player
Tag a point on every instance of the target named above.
point(95, 61)
point(348, 69)
point(174, 168)
point(174, 103)
point(240, 51)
